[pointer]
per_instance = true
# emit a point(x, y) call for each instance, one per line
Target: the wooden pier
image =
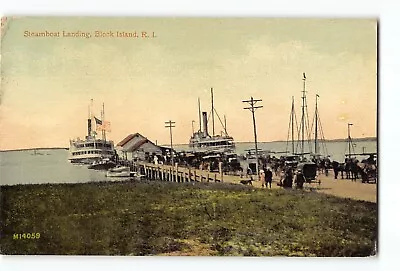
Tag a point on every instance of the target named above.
point(177, 173)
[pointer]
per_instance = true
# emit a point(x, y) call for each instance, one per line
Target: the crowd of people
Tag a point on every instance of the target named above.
point(287, 170)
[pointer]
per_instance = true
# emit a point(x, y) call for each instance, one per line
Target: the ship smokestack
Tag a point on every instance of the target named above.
point(205, 126)
point(89, 129)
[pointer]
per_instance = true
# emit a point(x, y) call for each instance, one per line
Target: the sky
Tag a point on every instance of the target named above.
point(47, 82)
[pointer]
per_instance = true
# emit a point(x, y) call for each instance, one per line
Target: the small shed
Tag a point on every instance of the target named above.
point(137, 147)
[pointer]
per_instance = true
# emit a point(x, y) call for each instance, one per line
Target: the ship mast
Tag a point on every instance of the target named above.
point(291, 130)
point(303, 115)
point(316, 124)
point(103, 131)
point(226, 133)
point(198, 99)
point(90, 119)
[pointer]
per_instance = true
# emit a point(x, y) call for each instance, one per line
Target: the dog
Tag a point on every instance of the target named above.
point(246, 182)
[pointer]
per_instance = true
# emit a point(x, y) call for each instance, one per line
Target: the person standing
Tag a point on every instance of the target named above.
point(262, 178)
point(299, 179)
point(335, 166)
point(268, 178)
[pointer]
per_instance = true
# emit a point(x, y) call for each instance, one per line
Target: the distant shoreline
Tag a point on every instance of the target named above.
point(362, 139)
point(37, 149)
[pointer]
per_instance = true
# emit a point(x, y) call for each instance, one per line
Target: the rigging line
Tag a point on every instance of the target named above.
point(297, 126)
point(221, 121)
point(324, 146)
point(298, 139)
point(208, 117)
point(308, 127)
point(288, 134)
point(318, 122)
point(312, 128)
point(303, 124)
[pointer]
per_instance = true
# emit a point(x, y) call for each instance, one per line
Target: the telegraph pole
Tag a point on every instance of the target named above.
point(292, 120)
point(252, 108)
point(170, 124)
point(212, 111)
point(349, 137)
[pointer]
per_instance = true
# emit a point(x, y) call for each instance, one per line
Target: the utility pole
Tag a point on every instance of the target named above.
point(292, 122)
point(252, 108)
point(212, 111)
point(170, 124)
point(349, 137)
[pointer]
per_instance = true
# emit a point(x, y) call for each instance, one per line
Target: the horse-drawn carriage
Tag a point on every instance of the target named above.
point(309, 171)
point(368, 172)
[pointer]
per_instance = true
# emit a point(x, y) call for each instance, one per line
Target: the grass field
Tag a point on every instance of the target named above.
point(158, 218)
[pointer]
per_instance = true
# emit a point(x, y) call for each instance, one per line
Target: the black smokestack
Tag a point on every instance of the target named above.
point(89, 128)
point(205, 126)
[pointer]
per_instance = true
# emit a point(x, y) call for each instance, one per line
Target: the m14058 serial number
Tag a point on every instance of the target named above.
point(22, 236)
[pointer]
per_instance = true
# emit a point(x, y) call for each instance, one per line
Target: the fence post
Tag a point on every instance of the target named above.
point(220, 172)
point(176, 171)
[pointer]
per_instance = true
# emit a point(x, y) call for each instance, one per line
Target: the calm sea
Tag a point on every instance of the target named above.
point(52, 166)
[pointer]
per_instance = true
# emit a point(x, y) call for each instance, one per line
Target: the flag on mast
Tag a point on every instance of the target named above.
point(102, 125)
point(98, 121)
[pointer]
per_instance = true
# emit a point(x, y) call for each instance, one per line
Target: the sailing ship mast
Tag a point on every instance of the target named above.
point(318, 132)
point(304, 125)
point(291, 130)
point(303, 106)
point(316, 124)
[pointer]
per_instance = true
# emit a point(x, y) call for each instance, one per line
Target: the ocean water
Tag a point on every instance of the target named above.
point(48, 166)
point(52, 165)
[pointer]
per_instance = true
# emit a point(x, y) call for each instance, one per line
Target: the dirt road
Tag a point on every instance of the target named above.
point(340, 187)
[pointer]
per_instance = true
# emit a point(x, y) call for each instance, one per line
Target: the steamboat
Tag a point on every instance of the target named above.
point(201, 141)
point(92, 149)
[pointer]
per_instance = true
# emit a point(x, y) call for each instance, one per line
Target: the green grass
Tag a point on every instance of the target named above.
point(152, 218)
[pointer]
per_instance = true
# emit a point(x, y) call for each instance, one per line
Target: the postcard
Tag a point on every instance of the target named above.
point(184, 136)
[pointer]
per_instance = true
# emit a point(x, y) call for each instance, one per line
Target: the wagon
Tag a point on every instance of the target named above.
point(309, 171)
